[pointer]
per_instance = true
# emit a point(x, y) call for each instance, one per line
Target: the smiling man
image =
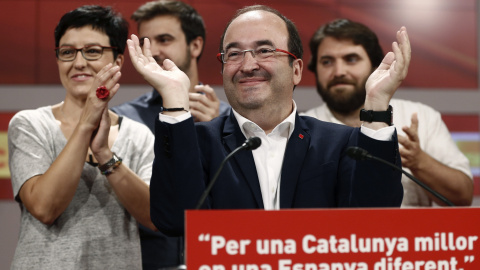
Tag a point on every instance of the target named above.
point(344, 54)
point(301, 162)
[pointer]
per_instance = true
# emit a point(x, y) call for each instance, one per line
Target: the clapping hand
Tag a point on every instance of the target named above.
point(170, 81)
point(204, 105)
point(384, 81)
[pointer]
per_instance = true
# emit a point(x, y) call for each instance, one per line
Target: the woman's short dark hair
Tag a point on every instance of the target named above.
point(104, 19)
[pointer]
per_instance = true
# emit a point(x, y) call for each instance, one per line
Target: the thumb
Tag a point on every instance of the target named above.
point(169, 65)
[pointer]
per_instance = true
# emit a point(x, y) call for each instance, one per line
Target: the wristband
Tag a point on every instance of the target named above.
point(107, 168)
point(163, 109)
point(377, 116)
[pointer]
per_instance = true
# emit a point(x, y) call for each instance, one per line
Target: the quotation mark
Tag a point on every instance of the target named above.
point(469, 258)
point(206, 237)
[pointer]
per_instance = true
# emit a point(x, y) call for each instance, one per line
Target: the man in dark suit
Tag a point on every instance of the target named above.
point(301, 162)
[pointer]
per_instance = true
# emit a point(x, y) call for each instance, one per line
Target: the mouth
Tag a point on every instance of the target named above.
point(81, 77)
point(340, 83)
point(252, 81)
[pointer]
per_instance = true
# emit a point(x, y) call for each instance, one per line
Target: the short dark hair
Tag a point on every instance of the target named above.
point(344, 29)
point(191, 22)
point(104, 19)
point(294, 41)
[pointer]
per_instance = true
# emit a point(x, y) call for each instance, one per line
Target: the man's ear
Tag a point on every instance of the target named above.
point(297, 66)
point(196, 47)
point(120, 60)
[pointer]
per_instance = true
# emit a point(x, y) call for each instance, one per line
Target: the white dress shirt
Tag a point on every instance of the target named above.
point(269, 156)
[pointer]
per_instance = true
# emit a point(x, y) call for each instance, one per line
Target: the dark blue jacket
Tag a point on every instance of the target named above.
point(316, 173)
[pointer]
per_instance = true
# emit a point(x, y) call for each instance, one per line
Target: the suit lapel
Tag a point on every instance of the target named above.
point(233, 138)
point(295, 153)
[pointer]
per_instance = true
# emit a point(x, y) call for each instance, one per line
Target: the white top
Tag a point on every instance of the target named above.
point(435, 140)
point(95, 231)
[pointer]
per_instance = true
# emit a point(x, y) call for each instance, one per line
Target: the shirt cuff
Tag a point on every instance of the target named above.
point(383, 134)
point(173, 120)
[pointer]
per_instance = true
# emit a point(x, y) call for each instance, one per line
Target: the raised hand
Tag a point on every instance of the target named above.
point(108, 76)
point(204, 105)
point(95, 113)
point(99, 142)
point(170, 81)
point(384, 81)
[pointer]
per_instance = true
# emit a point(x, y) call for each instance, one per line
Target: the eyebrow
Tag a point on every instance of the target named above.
point(343, 56)
point(159, 36)
point(257, 44)
point(88, 44)
point(163, 36)
point(326, 57)
point(351, 55)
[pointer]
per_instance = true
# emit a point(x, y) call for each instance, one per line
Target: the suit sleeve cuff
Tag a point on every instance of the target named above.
point(383, 134)
point(173, 120)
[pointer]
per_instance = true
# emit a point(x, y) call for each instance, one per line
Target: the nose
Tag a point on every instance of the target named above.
point(340, 69)
point(79, 61)
point(249, 62)
point(155, 48)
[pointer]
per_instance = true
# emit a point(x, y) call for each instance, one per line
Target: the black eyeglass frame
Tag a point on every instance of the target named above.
point(220, 55)
point(82, 51)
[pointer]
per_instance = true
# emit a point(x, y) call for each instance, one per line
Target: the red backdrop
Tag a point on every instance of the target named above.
point(442, 32)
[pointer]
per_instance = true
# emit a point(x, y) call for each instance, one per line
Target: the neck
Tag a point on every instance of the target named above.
point(351, 119)
point(192, 74)
point(268, 117)
point(69, 111)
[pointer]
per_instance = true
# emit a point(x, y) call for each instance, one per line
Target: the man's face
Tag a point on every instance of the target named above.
point(167, 40)
point(342, 71)
point(253, 84)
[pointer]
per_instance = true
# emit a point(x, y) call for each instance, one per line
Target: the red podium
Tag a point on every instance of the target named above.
point(334, 239)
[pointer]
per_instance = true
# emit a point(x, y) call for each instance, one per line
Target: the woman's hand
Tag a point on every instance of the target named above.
point(94, 107)
point(95, 114)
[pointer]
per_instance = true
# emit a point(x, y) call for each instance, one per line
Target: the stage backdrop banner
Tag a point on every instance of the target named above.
point(334, 239)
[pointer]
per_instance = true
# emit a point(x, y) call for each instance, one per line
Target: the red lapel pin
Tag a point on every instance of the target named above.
point(300, 136)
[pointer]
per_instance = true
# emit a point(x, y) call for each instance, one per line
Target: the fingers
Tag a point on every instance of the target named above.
point(146, 47)
point(414, 124)
point(108, 76)
point(139, 56)
point(410, 151)
point(169, 65)
point(406, 153)
point(99, 142)
point(412, 131)
point(105, 121)
point(402, 51)
point(404, 158)
point(387, 61)
point(404, 42)
point(205, 104)
point(208, 91)
point(202, 107)
point(135, 52)
point(404, 141)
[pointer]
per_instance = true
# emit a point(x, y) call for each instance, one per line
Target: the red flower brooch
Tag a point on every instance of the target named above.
point(102, 92)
